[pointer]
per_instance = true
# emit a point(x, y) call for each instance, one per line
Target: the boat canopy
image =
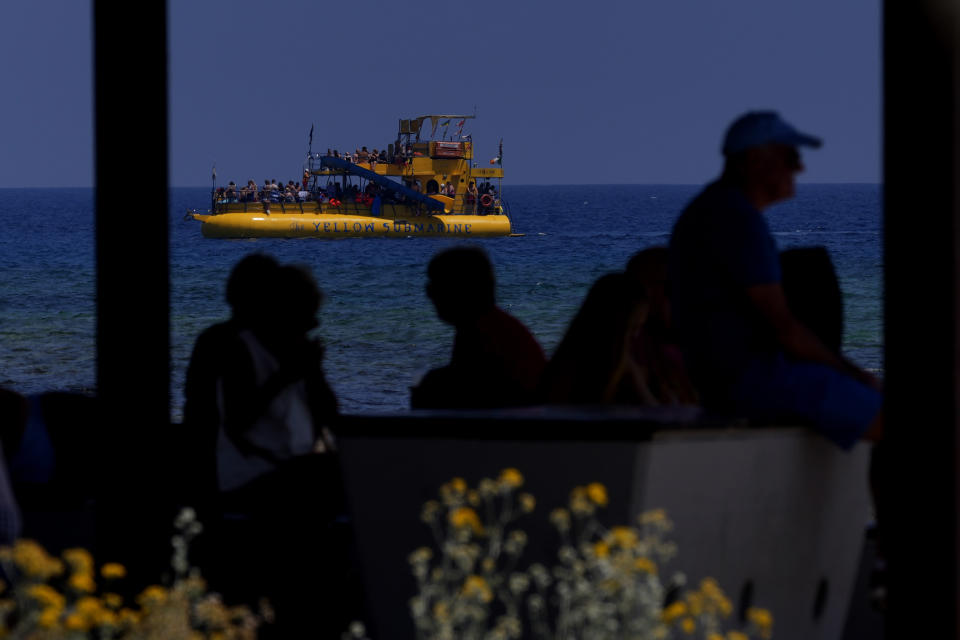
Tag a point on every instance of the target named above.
point(390, 185)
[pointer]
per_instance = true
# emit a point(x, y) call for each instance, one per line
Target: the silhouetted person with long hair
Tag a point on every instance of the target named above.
point(593, 363)
point(496, 361)
point(653, 346)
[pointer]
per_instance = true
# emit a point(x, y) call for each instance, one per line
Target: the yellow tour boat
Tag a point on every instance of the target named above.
point(419, 186)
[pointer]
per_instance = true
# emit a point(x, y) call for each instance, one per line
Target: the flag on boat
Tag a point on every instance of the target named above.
point(499, 158)
point(445, 123)
point(214, 172)
point(311, 135)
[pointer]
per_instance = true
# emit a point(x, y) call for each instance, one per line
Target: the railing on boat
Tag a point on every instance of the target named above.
point(463, 203)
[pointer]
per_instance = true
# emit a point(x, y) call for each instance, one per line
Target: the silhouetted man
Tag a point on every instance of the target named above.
point(496, 361)
point(747, 352)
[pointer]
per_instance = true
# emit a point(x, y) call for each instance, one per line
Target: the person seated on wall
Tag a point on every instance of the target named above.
point(654, 346)
point(594, 363)
point(496, 361)
point(749, 354)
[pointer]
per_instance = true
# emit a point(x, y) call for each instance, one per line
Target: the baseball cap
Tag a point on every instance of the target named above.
point(756, 128)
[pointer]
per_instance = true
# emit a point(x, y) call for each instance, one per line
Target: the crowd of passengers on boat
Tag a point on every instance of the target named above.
point(336, 193)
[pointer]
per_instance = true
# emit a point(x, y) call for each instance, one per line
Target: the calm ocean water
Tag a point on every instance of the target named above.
point(380, 330)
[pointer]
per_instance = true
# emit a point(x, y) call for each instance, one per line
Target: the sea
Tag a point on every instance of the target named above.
point(380, 331)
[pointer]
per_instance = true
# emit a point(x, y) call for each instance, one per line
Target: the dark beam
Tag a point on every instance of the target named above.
point(131, 202)
point(920, 477)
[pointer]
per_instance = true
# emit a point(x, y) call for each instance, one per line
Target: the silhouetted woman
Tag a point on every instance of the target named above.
point(593, 363)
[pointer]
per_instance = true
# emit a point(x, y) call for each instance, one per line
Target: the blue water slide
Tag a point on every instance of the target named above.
point(395, 187)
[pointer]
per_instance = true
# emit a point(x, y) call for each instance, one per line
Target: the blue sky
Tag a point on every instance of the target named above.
point(581, 93)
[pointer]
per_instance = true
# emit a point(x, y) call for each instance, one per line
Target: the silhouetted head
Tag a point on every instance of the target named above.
point(648, 269)
point(461, 285)
point(596, 341)
point(613, 309)
point(248, 286)
point(296, 299)
point(762, 156)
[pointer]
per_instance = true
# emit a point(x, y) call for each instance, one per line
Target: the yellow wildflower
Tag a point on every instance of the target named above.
point(212, 613)
point(105, 618)
point(113, 571)
point(82, 582)
point(128, 617)
point(46, 596)
point(441, 612)
point(580, 502)
point(624, 537)
point(527, 502)
point(674, 611)
point(463, 517)
point(431, 509)
point(610, 585)
point(655, 516)
point(695, 603)
point(560, 519)
point(76, 622)
point(88, 606)
point(193, 585)
point(601, 550)
point(487, 488)
point(33, 560)
point(737, 635)
point(476, 587)
point(709, 585)
point(49, 617)
point(714, 636)
point(688, 625)
point(113, 600)
point(645, 564)
point(473, 497)
point(597, 493)
point(420, 556)
point(459, 485)
point(761, 619)
point(79, 560)
point(511, 478)
point(153, 594)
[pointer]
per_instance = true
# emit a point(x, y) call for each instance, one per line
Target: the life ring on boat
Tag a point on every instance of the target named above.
point(486, 200)
point(334, 202)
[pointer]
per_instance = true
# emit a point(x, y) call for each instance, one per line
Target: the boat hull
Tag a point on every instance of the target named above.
point(326, 225)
